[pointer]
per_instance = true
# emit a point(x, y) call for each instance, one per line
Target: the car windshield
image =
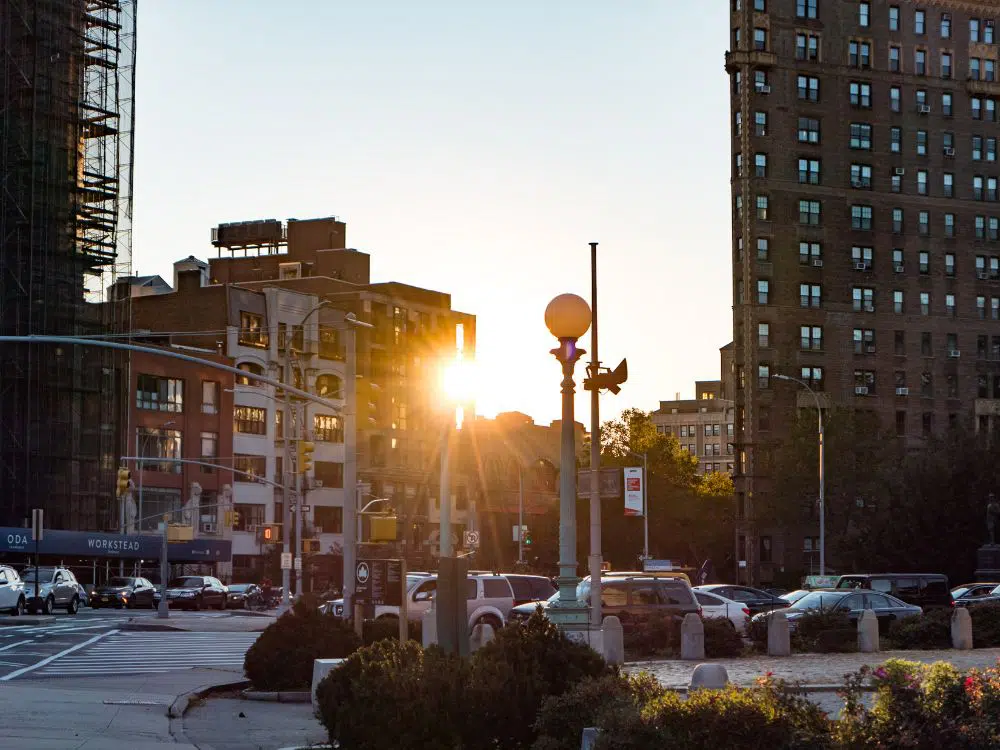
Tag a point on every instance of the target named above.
point(121, 581)
point(794, 596)
point(819, 600)
point(239, 588)
point(185, 583)
point(44, 574)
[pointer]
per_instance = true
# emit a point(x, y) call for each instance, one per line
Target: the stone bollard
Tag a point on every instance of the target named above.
point(589, 739)
point(692, 637)
point(614, 640)
point(779, 639)
point(481, 635)
point(868, 632)
point(429, 628)
point(961, 629)
point(321, 668)
point(709, 677)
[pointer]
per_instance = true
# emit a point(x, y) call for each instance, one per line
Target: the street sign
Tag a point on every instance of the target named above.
point(286, 560)
point(470, 538)
point(306, 508)
point(514, 534)
point(657, 566)
point(379, 582)
point(609, 481)
point(298, 563)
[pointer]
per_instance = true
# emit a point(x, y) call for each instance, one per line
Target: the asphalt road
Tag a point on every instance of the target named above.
point(92, 643)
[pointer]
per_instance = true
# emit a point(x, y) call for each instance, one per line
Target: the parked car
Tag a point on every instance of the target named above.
point(925, 590)
point(756, 601)
point(124, 592)
point(54, 587)
point(718, 607)
point(529, 588)
point(245, 596)
point(887, 608)
point(971, 590)
point(793, 596)
point(12, 596)
point(196, 592)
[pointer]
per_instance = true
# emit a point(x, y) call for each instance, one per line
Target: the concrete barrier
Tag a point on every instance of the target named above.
point(429, 628)
point(779, 637)
point(589, 739)
point(709, 676)
point(692, 637)
point(961, 629)
point(321, 668)
point(481, 635)
point(868, 632)
point(614, 640)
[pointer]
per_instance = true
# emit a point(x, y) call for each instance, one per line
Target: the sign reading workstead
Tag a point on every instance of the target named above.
point(379, 582)
point(128, 546)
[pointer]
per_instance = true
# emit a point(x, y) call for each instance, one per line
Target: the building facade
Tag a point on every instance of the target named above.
point(703, 426)
point(866, 226)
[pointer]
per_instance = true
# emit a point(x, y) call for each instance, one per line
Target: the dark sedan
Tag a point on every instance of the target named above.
point(887, 608)
point(245, 596)
point(123, 592)
point(976, 593)
point(196, 592)
point(755, 600)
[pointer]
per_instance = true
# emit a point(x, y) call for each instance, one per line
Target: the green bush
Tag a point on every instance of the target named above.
point(757, 632)
point(721, 639)
point(390, 695)
point(985, 625)
point(282, 657)
point(929, 630)
point(650, 636)
point(388, 627)
point(824, 631)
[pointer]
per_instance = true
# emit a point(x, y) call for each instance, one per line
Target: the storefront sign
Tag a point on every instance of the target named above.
point(127, 546)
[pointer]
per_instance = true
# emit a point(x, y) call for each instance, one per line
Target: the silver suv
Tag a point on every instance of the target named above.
point(58, 588)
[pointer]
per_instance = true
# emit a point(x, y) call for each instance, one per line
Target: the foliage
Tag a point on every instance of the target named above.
point(721, 638)
point(388, 627)
point(824, 631)
point(985, 625)
point(757, 631)
point(929, 630)
point(282, 657)
point(650, 636)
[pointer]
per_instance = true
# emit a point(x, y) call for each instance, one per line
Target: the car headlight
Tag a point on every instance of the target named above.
point(187, 593)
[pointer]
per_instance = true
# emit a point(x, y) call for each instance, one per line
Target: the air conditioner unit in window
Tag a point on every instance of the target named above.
point(861, 390)
point(897, 267)
point(290, 270)
point(925, 109)
point(857, 183)
point(900, 171)
point(954, 353)
point(982, 275)
point(869, 348)
point(869, 307)
point(208, 527)
point(763, 89)
point(949, 152)
point(860, 265)
point(903, 391)
point(817, 262)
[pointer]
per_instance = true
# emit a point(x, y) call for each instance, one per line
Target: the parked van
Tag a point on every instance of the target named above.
point(927, 590)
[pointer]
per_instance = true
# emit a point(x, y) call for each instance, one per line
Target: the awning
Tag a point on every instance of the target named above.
point(125, 546)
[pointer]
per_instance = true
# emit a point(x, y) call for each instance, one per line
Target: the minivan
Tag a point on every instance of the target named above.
point(926, 590)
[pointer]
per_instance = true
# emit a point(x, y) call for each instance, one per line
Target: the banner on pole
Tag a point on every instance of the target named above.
point(633, 491)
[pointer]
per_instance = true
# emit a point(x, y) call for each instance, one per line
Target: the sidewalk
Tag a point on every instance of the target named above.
point(235, 724)
point(100, 713)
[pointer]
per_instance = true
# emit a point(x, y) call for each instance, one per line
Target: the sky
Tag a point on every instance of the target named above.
point(474, 148)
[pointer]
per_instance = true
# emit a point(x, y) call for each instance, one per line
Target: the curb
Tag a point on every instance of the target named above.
point(139, 627)
point(283, 696)
point(27, 620)
point(181, 702)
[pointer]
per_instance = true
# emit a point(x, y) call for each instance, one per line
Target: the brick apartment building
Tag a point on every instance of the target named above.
point(866, 221)
point(703, 426)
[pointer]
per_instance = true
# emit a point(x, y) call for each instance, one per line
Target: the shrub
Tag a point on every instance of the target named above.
point(390, 695)
point(929, 630)
point(985, 626)
point(757, 632)
point(282, 657)
point(388, 627)
point(824, 631)
point(721, 639)
point(650, 636)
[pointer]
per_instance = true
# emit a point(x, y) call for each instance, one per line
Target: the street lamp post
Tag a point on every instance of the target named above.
point(822, 501)
point(568, 318)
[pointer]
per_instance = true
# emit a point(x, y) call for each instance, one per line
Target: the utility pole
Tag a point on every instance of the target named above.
point(286, 465)
point(595, 452)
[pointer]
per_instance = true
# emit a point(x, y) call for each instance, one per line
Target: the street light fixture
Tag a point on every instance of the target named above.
point(822, 502)
point(568, 318)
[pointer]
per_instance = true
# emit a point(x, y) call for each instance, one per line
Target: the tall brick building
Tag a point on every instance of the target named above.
point(866, 221)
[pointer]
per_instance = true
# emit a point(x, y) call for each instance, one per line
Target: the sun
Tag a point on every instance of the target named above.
point(459, 381)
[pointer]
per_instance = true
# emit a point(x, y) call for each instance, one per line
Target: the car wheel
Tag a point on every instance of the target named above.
point(19, 609)
point(74, 606)
point(47, 606)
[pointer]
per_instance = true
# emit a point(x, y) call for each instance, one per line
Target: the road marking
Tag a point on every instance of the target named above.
point(50, 659)
point(14, 645)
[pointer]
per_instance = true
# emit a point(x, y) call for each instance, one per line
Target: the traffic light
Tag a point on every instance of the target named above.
point(306, 448)
point(232, 518)
point(269, 533)
point(124, 477)
point(310, 545)
point(383, 529)
point(527, 536)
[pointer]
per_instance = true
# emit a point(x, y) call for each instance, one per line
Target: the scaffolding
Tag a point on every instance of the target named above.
point(66, 139)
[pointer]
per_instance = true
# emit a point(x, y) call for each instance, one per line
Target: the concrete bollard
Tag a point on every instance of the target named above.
point(481, 635)
point(709, 677)
point(613, 640)
point(692, 637)
point(961, 629)
point(429, 628)
point(589, 739)
point(779, 638)
point(321, 668)
point(868, 632)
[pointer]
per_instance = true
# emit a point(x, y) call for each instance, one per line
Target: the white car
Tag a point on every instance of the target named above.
point(11, 591)
point(716, 606)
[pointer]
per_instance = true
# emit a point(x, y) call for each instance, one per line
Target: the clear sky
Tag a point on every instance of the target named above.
point(474, 147)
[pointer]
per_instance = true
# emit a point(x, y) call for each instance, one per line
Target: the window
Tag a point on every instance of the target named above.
point(813, 376)
point(895, 140)
point(329, 343)
point(328, 386)
point(808, 88)
point(763, 335)
point(861, 94)
point(863, 299)
point(860, 54)
point(760, 165)
point(981, 307)
point(806, 8)
point(897, 260)
point(864, 382)
point(812, 338)
point(763, 290)
point(809, 252)
point(897, 221)
point(808, 130)
point(991, 149)
point(899, 343)
point(209, 449)
point(328, 428)
point(988, 32)
point(982, 346)
point(897, 301)
point(977, 108)
point(924, 262)
point(946, 65)
point(809, 171)
point(973, 29)
point(250, 420)
point(159, 394)
point(249, 466)
point(951, 383)
point(893, 18)
point(920, 62)
point(762, 248)
point(895, 99)
point(926, 385)
point(810, 295)
point(926, 347)
point(209, 397)
point(949, 264)
point(949, 305)
point(253, 331)
point(862, 257)
point(894, 59)
point(921, 182)
point(920, 22)
point(861, 176)
point(861, 136)
point(925, 303)
point(251, 368)
point(949, 225)
point(948, 185)
point(921, 143)
point(809, 212)
point(762, 206)
point(738, 165)
point(760, 81)
point(763, 375)
point(991, 188)
point(989, 70)
point(924, 223)
point(806, 47)
point(864, 341)
point(330, 473)
point(946, 104)
point(921, 101)
point(329, 518)
point(159, 448)
point(760, 39)
point(861, 216)
point(864, 14)
point(946, 25)
point(760, 123)
point(980, 224)
point(977, 188)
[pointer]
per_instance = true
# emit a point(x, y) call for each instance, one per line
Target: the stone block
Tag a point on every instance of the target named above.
point(481, 635)
point(429, 628)
point(614, 640)
point(779, 637)
point(589, 739)
point(709, 676)
point(692, 637)
point(321, 668)
point(868, 632)
point(961, 629)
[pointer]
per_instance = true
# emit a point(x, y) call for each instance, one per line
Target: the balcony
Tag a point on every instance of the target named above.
point(735, 59)
point(982, 88)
